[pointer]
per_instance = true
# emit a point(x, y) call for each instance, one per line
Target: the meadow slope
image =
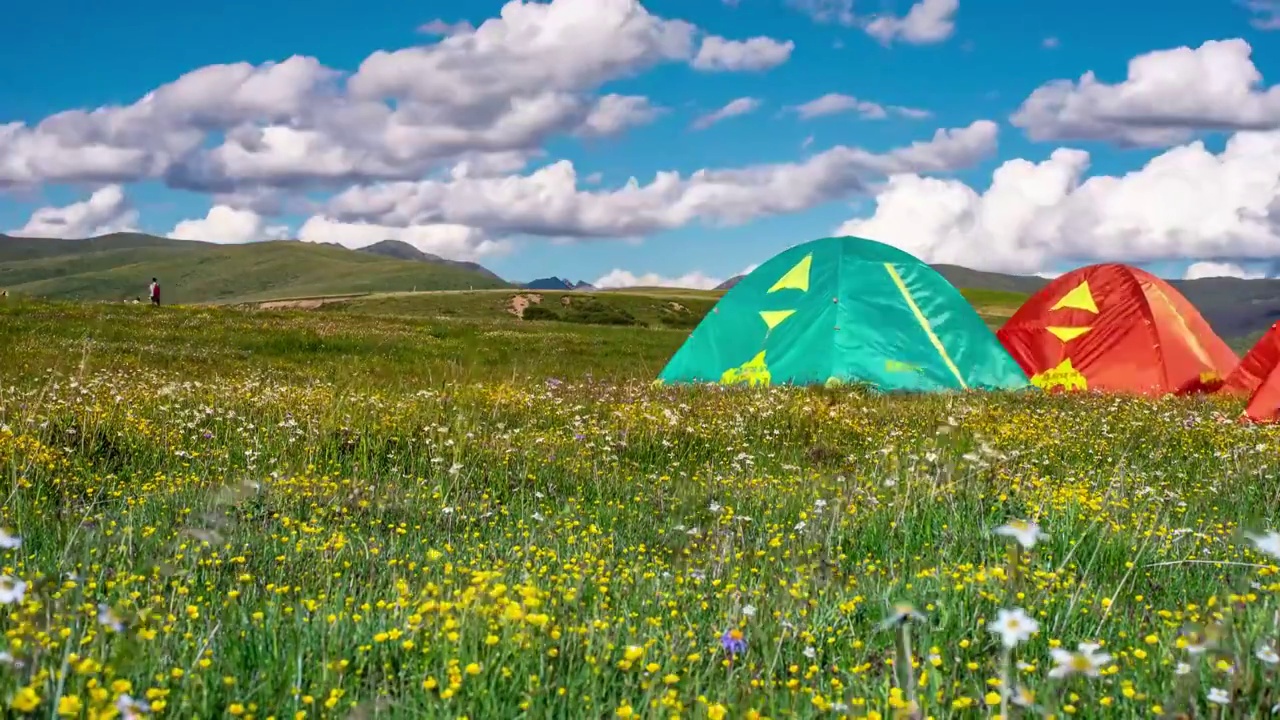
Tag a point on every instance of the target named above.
point(314, 514)
point(679, 308)
point(119, 267)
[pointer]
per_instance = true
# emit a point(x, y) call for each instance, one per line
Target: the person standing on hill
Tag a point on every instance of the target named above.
point(155, 292)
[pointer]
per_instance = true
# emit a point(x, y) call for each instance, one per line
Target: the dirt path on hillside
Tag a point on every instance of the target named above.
point(310, 304)
point(518, 303)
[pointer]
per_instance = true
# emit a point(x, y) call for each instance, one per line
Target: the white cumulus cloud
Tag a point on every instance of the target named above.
point(925, 22)
point(1266, 13)
point(757, 53)
point(1185, 203)
point(449, 241)
point(614, 113)
point(1167, 97)
point(734, 108)
point(107, 210)
point(506, 86)
point(827, 11)
point(225, 224)
point(1211, 269)
point(835, 103)
point(550, 202)
point(618, 278)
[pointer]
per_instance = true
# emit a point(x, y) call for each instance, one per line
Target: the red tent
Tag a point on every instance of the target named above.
point(1256, 378)
point(1115, 328)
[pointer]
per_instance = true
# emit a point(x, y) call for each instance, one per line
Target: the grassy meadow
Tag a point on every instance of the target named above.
point(391, 512)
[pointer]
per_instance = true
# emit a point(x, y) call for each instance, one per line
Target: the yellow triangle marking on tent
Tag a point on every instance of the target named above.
point(753, 372)
point(1078, 299)
point(797, 278)
point(1067, 334)
point(924, 323)
point(1064, 376)
point(774, 318)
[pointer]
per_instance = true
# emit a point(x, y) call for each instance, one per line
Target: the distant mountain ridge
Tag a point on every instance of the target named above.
point(557, 283)
point(404, 251)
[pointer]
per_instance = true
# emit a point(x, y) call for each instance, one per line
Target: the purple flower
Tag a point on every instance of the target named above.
point(733, 641)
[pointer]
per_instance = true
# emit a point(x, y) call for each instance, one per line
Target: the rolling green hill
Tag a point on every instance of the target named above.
point(119, 267)
point(404, 251)
point(668, 308)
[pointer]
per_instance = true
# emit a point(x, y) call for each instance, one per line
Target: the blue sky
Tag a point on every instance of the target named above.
point(989, 62)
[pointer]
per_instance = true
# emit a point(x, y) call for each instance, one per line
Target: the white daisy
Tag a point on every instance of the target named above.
point(1014, 626)
point(12, 590)
point(1084, 661)
point(1026, 533)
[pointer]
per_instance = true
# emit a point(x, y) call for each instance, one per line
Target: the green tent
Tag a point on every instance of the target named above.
point(845, 310)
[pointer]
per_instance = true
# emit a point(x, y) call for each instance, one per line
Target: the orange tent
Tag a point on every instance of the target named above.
point(1115, 328)
point(1256, 377)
